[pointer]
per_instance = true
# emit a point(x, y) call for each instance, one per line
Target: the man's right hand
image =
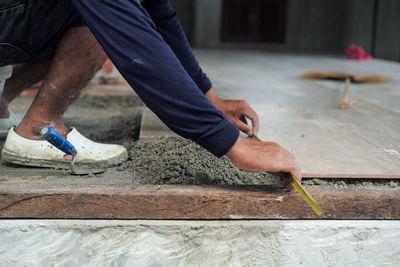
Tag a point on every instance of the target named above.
point(255, 156)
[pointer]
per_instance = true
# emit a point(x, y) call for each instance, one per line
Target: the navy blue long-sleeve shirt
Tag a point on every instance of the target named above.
point(147, 45)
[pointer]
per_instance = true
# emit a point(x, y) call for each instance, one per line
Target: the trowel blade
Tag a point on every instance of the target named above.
point(78, 171)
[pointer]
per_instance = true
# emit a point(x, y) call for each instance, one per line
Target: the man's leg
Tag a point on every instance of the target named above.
point(24, 75)
point(77, 58)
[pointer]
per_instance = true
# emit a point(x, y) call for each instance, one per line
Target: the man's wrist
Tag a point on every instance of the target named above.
point(210, 95)
point(236, 148)
point(215, 100)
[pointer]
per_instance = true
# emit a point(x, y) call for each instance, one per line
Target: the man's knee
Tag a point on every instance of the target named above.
point(79, 47)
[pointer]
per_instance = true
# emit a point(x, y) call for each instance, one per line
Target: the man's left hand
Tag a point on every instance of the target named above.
point(237, 111)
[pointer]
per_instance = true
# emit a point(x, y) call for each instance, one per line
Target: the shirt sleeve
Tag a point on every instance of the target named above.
point(128, 35)
point(168, 25)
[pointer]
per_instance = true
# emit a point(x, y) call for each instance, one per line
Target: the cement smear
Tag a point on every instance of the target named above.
point(199, 243)
point(175, 160)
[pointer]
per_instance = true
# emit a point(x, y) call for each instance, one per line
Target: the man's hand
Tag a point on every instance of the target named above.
point(258, 156)
point(236, 111)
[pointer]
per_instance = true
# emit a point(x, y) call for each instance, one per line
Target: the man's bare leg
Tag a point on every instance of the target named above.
point(77, 58)
point(24, 75)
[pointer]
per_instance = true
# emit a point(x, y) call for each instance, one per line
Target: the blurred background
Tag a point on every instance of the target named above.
point(317, 26)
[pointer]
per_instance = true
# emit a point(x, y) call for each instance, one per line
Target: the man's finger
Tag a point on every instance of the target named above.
point(296, 174)
point(252, 115)
point(243, 127)
point(243, 119)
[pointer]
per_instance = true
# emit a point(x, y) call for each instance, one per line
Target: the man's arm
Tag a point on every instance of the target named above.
point(237, 111)
point(128, 36)
point(140, 53)
point(168, 25)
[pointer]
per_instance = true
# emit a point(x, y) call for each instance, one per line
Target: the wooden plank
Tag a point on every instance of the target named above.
point(193, 202)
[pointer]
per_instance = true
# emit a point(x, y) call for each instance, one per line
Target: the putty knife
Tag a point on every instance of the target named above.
point(299, 188)
point(57, 140)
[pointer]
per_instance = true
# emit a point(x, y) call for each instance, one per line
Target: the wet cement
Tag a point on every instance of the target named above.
point(175, 160)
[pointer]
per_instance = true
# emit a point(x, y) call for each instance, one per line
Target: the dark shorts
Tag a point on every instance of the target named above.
point(30, 29)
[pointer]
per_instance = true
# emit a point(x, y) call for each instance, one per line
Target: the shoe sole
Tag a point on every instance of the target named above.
point(10, 157)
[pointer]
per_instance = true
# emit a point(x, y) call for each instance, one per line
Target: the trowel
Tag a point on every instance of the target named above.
point(59, 141)
point(299, 188)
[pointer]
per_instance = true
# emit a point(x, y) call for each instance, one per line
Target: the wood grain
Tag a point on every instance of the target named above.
point(193, 202)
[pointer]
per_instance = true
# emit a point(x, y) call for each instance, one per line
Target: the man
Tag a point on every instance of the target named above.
point(146, 43)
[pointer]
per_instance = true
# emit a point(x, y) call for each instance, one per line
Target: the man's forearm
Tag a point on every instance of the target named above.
point(168, 25)
point(149, 65)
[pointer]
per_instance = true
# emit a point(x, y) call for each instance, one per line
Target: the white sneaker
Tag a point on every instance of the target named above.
point(40, 153)
point(6, 124)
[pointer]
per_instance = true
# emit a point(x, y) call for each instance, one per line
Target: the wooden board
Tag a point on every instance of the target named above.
point(193, 202)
